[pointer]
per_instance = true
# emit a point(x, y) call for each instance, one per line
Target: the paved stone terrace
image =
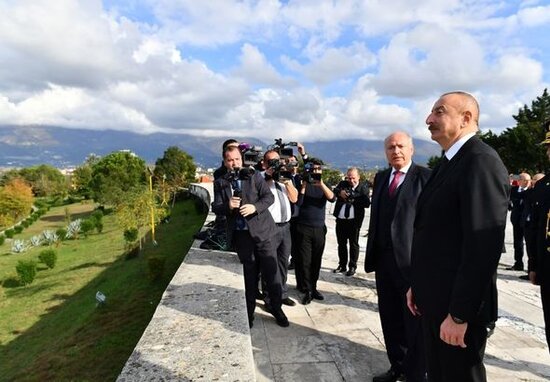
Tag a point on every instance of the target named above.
point(340, 338)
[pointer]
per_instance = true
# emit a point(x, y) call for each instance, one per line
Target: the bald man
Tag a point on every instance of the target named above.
point(457, 243)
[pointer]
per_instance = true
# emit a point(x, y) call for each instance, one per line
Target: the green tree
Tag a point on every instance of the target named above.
point(332, 177)
point(519, 146)
point(16, 200)
point(81, 178)
point(45, 180)
point(174, 170)
point(115, 175)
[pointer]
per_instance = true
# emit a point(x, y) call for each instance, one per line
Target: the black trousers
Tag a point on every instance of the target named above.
point(258, 256)
point(545, 297)
point(402, 331)
point(311, 244)
point(347, 230)
point(518, 244)
point(446, 363)
point(282, 242)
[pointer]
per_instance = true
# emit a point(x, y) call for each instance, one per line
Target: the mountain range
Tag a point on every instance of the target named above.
point(24, 146)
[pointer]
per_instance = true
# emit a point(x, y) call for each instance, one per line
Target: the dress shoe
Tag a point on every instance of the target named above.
point(316, 295)
point(306, 299)
point(524, 277)
point(250, 322)
point(288, 301)
point(515, 267)
point(351, 272)
point(389, 376)
point(280, 317)
point(260, 295)
point(340, 269)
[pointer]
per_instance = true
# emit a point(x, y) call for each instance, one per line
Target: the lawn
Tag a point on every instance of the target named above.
point(53, 328)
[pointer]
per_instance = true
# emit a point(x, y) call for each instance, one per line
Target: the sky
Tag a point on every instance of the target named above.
point(308, 70)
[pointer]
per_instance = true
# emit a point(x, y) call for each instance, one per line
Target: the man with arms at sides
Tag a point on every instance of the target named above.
point(457, 242)
point(393, 209)
point(311, 229)
point(352, 199)
point(284, 193)
point(517, 205)
point(245, 200)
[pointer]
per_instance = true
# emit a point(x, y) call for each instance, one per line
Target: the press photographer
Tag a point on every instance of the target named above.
point(352, 199)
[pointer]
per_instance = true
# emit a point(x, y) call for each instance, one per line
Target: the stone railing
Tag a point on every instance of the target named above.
point(199, 331)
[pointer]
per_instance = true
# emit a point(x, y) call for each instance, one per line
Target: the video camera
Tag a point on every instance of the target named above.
point(284, 149)
point(347, 187)
point(251, 154)
point(308, 175)
point(279, 170)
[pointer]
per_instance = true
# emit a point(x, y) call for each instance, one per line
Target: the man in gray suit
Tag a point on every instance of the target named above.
point(389, 255)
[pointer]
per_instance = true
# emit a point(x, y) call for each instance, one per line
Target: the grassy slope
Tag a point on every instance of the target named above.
point(52, 329)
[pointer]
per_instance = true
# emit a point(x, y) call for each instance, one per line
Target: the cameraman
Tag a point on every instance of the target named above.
point(311, 229)
point(352, 199)
point(285, 193)
point(244, 198)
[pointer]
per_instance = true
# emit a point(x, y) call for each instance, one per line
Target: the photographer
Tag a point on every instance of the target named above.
point(280, 184)
point(311, 229)
point(352, 199)
point(243, 196)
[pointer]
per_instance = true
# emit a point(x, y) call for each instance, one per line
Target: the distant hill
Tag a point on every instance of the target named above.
point(62, 147)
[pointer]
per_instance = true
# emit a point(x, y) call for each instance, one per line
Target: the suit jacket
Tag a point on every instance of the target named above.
point(517, 204)
point(360, 202)
point(254, 191)
point(403, 219)
point(540, 263)
point(458, 235)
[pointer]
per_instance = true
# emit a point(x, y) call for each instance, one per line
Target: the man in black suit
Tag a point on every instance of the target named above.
point(457, 243)
point(516, 207)
point(244, 200)
point(389, 255)
point(352, 199)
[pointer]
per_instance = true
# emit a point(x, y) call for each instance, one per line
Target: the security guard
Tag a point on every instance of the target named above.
point(539, 266)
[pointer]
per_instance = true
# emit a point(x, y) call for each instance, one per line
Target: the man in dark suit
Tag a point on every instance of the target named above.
point(457, 243)
point(516, 206)
point(389, 255)
point(244, 200)
point(352, 199)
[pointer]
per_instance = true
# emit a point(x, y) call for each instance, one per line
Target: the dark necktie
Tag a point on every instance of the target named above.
point(395, 182)
point(281, 195)
point(347, 210)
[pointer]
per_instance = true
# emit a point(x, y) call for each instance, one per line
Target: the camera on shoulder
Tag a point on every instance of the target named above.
point(308, 175)
point(279, 170)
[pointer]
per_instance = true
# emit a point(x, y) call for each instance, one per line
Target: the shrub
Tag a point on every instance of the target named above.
point(97, 215)
point(37, 240)
point(50, 236)
point(9, 233)
point(2, 239)
point(99, 226)
point(25, 223)
point(61, 233)
point(155, 265)
point(131, 235)
point(48, 257)
point(18, 229)
point(87, 226)
point(26, 269)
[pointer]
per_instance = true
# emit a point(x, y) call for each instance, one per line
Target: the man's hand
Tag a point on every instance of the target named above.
point(411, 304)
point(301, 149)
point(247, 209)
point(343, 195)
point(452, 333)
point(234, 202)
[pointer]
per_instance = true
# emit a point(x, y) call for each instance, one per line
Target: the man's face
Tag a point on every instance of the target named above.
point(267, 157)
point(353, 177)
point(445, 120)
point(399, 150)
point(232, 159)
point(524, 180)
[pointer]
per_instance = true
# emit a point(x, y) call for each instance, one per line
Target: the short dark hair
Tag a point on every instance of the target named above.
point(227, 143)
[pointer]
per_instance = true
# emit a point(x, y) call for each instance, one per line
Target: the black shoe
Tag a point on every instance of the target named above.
point(515, 267)
point(291, 265)
point(280, 317)
point(351, 272)
point(316, 295)
point(524, 277)
point(340, 269)
point(306, 299)
point(288, 301)
point(389, 376)
point(260, 295)
point(250, 322)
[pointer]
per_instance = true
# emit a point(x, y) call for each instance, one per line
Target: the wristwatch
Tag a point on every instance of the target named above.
point(457, 320)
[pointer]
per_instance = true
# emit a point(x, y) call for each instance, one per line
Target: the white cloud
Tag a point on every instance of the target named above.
point(535, 16)
point(256, 68)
